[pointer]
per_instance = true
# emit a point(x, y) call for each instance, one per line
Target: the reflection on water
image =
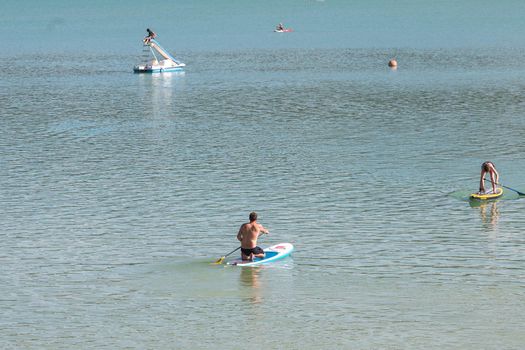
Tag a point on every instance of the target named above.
point(250, 279)
point(489, 212)
point(165, 80)
point(159, 90)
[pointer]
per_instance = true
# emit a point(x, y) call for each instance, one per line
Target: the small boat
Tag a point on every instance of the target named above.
point(285, 30)
point(271, 254)
point(487, 194)
point(162, 60)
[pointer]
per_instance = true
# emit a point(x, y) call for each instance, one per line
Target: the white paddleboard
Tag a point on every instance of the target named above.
point(271, 254)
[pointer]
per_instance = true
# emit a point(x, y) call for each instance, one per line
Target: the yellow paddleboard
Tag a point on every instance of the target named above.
point(487, 195)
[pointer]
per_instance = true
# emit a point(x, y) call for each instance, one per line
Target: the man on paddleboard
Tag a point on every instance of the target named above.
point(488, 167)
point(247, 235)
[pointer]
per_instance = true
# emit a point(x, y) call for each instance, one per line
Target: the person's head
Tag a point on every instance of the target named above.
point(148, 30)
point(253, 216)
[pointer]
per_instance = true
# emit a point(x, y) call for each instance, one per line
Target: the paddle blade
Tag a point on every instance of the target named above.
point(221, 259)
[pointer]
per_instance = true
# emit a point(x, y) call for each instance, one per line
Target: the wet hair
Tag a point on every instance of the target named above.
point(253, 216)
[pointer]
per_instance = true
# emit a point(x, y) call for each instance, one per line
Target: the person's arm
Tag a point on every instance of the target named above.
point(239, 234)
point(497, 175)
point(263, 230)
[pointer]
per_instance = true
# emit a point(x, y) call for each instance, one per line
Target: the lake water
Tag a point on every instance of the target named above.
point(118, 190)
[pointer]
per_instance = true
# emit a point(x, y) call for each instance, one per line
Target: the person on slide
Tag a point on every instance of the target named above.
point(151, 35)
point(490, 168)
point(247, 235)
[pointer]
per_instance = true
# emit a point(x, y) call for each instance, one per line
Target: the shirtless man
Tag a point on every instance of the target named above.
point(248, 234)
point(488, 167)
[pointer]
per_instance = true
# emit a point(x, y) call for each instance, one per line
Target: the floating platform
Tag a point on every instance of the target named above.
point(162, 60)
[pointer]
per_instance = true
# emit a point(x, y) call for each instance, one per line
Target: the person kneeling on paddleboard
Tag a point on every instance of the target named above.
point(247, 235)
point(488, 167)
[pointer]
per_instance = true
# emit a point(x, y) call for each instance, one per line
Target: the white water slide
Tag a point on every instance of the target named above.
point(154, 44)
point(167, 64)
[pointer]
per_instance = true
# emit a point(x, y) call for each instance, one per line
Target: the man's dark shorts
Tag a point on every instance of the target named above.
point(254, 251)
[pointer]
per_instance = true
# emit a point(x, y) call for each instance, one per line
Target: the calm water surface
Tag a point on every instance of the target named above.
point(117, 190)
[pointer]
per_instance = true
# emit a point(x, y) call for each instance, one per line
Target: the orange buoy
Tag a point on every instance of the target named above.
point(392, 63)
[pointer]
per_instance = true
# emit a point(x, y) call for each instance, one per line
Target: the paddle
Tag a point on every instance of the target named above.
point(518, 192)
point(221, 259)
